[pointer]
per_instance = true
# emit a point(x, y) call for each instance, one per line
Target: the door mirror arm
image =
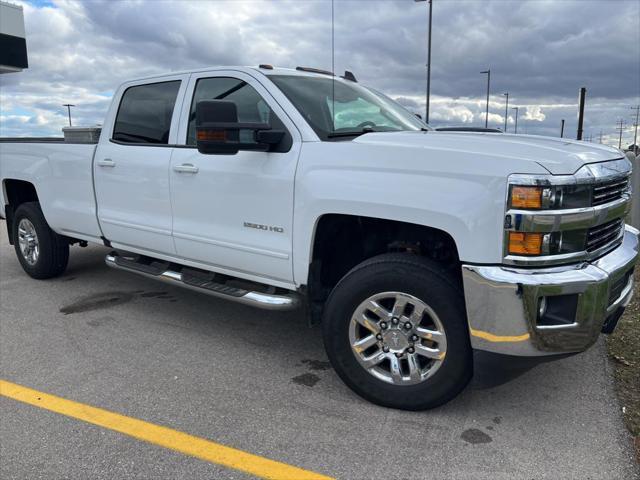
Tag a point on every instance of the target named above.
point(218, 130)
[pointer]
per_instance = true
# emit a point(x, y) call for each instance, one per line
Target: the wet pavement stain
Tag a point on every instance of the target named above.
point(475, 436)
point(317, 365)
point(306, 379)
point(97, 302)
point(497, 420)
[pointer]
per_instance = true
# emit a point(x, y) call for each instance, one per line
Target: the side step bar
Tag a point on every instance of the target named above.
point(161, 271)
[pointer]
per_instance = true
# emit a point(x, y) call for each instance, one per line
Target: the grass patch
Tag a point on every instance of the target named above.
point(624, 350)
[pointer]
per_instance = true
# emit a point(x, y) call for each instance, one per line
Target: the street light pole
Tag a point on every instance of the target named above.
point(486, 117)
point(516, 109)
point(562, 128)
point(506, 111)
point(68, 105)
point(426, 117)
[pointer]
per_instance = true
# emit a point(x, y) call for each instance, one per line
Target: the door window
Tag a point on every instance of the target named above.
point(145, 112)
point(251, 106)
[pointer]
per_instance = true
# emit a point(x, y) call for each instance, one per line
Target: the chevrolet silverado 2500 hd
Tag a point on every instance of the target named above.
point(281, 188)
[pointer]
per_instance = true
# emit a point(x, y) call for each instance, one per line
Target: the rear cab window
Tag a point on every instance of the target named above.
point(145, 112)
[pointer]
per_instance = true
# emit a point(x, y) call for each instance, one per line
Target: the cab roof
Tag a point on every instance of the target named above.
point(246, 69)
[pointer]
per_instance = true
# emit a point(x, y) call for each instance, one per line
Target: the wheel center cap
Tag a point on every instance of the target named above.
point(396, 340)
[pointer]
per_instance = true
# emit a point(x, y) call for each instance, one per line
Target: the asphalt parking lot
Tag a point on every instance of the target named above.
point(260, 382)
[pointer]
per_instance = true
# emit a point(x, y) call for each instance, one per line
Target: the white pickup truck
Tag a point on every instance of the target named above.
point(286, 188)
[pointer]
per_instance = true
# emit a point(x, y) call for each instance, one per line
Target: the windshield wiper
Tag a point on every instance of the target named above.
point(355, 133)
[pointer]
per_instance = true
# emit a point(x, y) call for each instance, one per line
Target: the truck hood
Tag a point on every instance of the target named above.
point(559, 156)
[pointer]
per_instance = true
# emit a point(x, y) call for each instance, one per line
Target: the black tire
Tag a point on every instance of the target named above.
point(53, 253)
point(420, 278)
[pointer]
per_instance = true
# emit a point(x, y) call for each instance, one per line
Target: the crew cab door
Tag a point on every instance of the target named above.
point(131, 166)
point(234, 213)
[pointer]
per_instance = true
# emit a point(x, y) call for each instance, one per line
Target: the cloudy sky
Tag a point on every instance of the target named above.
point(541, 51)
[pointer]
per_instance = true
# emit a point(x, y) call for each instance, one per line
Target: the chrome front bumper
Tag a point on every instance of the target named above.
point(502, 302)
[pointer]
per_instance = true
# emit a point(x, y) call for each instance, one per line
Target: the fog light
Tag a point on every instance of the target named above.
point(557, 311)
point(542, 306)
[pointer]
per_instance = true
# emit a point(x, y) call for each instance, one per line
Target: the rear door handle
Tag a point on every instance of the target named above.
point(185, 168)
point(106, 162)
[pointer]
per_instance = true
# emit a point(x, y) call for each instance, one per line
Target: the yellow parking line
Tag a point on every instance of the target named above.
point(158, 435)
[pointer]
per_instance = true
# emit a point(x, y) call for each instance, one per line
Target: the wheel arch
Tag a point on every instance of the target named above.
point(16, 192)
point(341, 241)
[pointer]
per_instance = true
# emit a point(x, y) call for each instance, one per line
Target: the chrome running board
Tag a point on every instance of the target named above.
point(194, 280)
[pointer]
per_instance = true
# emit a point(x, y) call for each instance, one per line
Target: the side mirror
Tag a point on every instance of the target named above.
point(219, 132)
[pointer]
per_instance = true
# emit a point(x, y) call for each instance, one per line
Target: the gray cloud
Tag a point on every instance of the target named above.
point(539, 51)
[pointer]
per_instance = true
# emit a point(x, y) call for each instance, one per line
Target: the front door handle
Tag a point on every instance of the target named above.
point(185, 168)
point(106, 162)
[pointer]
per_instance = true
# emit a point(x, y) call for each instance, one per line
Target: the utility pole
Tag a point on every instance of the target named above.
point(506, 111)
point(426, 117)
point(562, 128)
point(68, 105)
point(635, 134)
point(516, 109)
point(620, 127)
point(600, 136)
point(486, 118)
point(583, 94)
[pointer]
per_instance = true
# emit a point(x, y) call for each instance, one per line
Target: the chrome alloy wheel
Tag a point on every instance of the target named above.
point(397, 338)
point(28, 241)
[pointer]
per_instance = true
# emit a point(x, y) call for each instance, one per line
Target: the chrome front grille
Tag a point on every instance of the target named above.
point(606, 192)
point(602, 235)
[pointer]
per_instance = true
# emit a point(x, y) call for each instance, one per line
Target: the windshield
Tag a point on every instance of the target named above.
point(337, 108)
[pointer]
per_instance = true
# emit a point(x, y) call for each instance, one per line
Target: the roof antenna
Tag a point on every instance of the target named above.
point(333, 69)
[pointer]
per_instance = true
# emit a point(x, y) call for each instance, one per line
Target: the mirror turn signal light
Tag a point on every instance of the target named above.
point(526, 197)
point(525, 243)
point(211, 135)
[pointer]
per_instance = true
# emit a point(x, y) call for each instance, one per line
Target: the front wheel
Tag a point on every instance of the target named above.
point(41, 251)
point(395, 331)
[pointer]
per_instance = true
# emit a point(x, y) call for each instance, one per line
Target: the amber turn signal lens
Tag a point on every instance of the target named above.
point(526, 197)
point(525, 243)
point(211, 135)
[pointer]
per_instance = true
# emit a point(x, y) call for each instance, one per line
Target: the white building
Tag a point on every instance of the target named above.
point(13, 45)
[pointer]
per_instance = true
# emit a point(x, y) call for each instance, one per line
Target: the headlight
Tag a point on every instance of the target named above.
point(553, 197)
point(556, 219)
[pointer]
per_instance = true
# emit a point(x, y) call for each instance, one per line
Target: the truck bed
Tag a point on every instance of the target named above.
point(63, 174)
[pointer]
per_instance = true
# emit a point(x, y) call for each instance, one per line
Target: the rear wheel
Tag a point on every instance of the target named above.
point(395, 331)
point(41, 251)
